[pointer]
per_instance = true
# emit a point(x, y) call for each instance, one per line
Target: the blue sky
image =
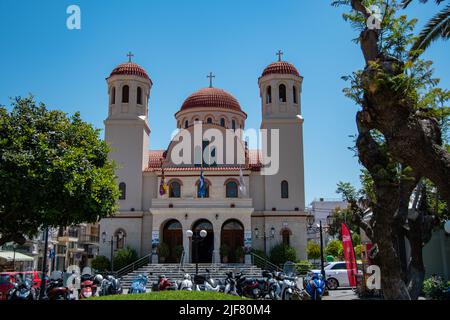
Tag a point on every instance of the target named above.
point(179, 43)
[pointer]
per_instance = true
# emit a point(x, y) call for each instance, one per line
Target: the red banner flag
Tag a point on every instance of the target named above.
point(349, 255)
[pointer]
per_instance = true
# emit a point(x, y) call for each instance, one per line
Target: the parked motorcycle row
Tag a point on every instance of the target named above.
point(271, 286)
point(55, 288)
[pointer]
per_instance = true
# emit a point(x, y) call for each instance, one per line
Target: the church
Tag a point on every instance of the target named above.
point(165, 203)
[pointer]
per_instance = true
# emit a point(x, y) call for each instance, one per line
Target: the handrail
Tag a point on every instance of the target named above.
point(183, 255)
point(135, 265)
point(264, 263)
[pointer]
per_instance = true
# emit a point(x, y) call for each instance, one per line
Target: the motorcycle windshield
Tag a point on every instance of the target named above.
point(289, 269)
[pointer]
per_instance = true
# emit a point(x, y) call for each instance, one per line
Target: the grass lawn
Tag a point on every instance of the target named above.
point(172, 295)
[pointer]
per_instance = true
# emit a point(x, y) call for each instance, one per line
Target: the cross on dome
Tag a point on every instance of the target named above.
point(130, 55)
point(210, 76)
point(279, 54)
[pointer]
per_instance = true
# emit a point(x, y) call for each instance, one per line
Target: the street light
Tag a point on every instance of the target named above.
point(310, 221)
point(264, 236)
point(196, 238)
point(120, 235)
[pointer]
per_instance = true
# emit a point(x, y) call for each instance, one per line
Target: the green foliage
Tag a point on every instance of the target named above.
point(172, 295)
point(179, 251)
point(358, 251)
point(303, 266)
point(163, 250)
point(334, 248)
point(101, 264)
point(436, 288)
point(124, 257)
point(224, 250)
point(239, 253)
point(282, 253)
point(313, 250)
point(54, 171)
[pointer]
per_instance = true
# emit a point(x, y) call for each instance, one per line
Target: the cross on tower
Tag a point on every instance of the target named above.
point(210, 76)
point(130, 55)
point(279, 54)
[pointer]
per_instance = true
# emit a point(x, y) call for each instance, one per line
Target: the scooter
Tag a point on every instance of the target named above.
point(21, 290)
point(110, 286)
point(247, 287)
point(289, 287)
point(230, 284)
point(87, 287)
point(186, 283)
point(56, 290)
point(206, 283)
point(165, 284)
point(314, 286)
point(139, 284)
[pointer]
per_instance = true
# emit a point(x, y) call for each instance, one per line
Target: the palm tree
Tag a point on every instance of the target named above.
point(437, 27)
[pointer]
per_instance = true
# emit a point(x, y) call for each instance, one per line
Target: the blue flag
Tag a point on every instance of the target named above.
point(202, 186)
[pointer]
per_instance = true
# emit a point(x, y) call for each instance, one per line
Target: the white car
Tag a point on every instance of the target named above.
point(336, 274)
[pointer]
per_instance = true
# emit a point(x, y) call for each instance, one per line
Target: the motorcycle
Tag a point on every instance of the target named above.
point(87, 287)
point(314, 286)
point(56, 290)
point(186, 283)
point(206, 283)
point(250, 288)
point(230, 284)
point(110, 286)
point(21, 290)
point(165, 284)
point(139, 284)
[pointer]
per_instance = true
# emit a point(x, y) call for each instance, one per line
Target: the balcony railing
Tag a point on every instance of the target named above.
point(89, 238)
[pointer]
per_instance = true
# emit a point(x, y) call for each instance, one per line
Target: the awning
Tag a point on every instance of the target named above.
point(8, 256)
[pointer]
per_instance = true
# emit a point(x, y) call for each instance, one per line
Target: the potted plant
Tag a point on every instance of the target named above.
point(224, 252)
point(239, 253)
point(178, 252)
point(163, 252)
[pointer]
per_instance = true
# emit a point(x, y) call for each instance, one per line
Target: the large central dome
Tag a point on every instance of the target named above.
point(211, 98)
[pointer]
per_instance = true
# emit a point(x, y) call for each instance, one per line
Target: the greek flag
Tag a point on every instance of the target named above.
point(202, 186)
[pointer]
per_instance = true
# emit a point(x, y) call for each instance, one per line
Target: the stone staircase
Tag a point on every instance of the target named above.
point(173, 271)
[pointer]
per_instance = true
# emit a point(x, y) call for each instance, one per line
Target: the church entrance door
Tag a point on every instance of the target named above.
point(205, 247)
point(232, 237)
point(173, 237)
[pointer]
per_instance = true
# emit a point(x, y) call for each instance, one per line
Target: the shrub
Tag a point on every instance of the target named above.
point(163, 250)
point(101, 264)
point(313, 250)
point(224, 250)
point(436, 288)
point(334, 248)
point(282, 253)
point(303, 266)
point(178, 252)
point(124, 257)
point(239, 253)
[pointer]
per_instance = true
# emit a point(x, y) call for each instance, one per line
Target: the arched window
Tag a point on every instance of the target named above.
point(233, 124)
point(286, 235)
point(125, 94)
point(294, 92)
point(209, 120)
point(222, 122)
point(269, 94)
point(174, 189)
point(186, 124)
point(113, 95)
point(282, 92)
point(232, 189)
point(206, 189)
point(123, 191)
point(284, 189)
point(139, 95)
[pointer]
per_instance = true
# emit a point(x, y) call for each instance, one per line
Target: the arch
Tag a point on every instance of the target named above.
point(113, 95)
point(186, 124)
point(125, 94)
point(175, 188)
point(286, 236)
point(233, 124)
point(284, 189)
point(268, 94)
point(119, 237)
point(294, 94)
point(172, 232)
point(123, 191)
point(203, 250)
point(222, 122)
point(231, 189)
point(231, 238)
point(139, 95)
point(282, 92)
point(209, 120)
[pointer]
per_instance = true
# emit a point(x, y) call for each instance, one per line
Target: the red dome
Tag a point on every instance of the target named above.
point(211, 97)
point(130, 68)
point(280, 67)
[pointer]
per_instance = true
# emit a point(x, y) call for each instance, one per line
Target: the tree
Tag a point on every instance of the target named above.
point(334, 248)
point(101, 263)
point(399, 143)
point(54, 171)
point(282, 253)
point(313, 250)
point(436, 28)
point(124, 257)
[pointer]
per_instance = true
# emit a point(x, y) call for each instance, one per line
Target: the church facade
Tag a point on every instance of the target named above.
point(236, 202)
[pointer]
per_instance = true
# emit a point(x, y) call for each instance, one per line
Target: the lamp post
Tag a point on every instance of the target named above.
point(196, 238)
point(264, 236)
point(120, 236)
point(310, 221)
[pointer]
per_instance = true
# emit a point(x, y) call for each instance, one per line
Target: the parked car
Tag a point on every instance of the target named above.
point(336, 274)
point(7, 278)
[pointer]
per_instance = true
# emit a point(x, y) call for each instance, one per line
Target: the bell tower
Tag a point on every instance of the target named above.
point(280, 89)
point(127, 129)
